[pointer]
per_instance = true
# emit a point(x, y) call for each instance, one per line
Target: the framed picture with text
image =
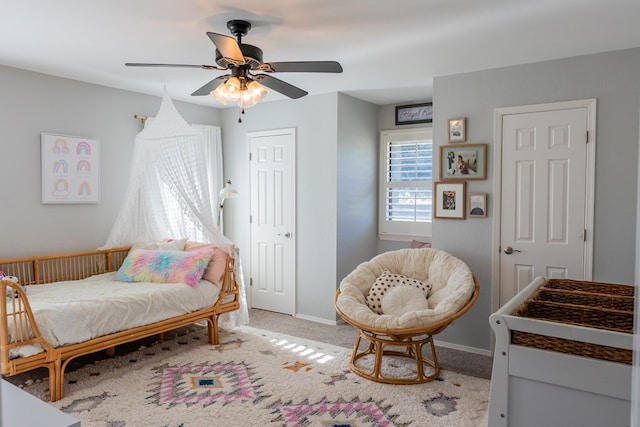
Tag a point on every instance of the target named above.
point(415, 113)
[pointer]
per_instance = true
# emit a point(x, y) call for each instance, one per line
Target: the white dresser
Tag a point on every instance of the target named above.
point(533, 387)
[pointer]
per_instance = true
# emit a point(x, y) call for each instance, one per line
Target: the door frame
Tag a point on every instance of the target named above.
point(291, 132)
point(499, 113)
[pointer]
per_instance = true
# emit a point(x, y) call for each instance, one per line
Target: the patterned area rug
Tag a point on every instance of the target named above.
point(257, 378)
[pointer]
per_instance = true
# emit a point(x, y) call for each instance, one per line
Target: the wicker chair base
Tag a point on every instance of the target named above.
point(408, 346)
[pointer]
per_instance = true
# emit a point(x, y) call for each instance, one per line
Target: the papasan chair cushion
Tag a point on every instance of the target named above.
point(451, 280)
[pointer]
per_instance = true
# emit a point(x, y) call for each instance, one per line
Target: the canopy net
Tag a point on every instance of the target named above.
point(169, 194)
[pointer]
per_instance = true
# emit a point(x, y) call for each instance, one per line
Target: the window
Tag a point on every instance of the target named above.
point(406, 166)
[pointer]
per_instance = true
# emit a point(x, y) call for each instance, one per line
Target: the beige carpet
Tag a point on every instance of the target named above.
point(257, 377)
point(344, 335)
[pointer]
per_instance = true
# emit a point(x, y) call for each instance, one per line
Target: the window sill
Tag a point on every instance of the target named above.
point(404, 238)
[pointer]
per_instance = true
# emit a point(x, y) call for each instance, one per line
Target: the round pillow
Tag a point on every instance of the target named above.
point(403, 299)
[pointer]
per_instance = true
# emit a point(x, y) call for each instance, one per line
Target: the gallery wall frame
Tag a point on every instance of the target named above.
point(70, 167)
point(476, 205)
point(458, 129)
point(414, 113)
point(449, 200)
point(466, 161)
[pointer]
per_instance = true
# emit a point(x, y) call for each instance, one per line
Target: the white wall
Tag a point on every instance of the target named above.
point(32, 103)
point(612, 78)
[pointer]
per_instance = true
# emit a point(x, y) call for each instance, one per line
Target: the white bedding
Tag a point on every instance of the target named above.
point(76, 311)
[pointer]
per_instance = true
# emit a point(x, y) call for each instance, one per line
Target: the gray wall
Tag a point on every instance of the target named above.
point(315, 119)
point(336, 189)
point(612, 78)
point(357, 186)
point(32, 103)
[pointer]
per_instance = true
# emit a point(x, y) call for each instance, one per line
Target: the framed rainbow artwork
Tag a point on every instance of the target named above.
point(70, 169)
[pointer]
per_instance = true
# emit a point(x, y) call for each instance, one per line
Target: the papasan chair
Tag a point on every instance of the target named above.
point(399, 301)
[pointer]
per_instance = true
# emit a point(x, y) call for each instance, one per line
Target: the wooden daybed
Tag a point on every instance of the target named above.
point(19, 329)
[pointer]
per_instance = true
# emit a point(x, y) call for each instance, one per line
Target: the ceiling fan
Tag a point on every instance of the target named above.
point(243, 60)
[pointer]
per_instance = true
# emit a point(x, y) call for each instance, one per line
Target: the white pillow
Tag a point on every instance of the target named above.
point(388, 280)
point(403, 299)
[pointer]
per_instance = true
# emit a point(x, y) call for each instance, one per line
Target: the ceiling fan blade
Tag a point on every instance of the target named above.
point(302, 67)
point(206, 89)
point(278, 85)
point(228, 47)
point(142, 64)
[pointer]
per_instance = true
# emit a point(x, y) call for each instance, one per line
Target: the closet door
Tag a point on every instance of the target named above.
point(272, 279)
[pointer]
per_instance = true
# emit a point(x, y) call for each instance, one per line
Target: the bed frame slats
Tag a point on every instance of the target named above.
point(55, 268)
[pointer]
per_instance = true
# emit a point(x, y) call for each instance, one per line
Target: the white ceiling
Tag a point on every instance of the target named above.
point(389, 49)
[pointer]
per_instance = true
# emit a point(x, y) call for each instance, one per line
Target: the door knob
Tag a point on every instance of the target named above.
point(287, 234)
point(509, 250)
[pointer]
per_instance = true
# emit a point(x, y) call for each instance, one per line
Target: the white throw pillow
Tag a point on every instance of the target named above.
point(403, 299)
point(387, 281)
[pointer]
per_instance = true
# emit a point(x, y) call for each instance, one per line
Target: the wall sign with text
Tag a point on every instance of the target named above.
point(416, 113)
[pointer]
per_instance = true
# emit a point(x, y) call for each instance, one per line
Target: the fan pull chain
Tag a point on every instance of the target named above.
point(240, 110)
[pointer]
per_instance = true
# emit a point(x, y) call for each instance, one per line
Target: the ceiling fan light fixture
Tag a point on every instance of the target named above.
point(228, 91)
point(253, 93)
point(217, 94)
point(240, 60)
point(246, 91)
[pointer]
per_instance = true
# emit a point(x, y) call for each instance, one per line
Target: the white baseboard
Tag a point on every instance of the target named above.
point(438, 343)
point(316, 319)
point(463, 348)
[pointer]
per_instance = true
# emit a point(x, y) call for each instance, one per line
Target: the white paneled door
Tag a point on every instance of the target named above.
point(544, 206)
point(273, 236)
